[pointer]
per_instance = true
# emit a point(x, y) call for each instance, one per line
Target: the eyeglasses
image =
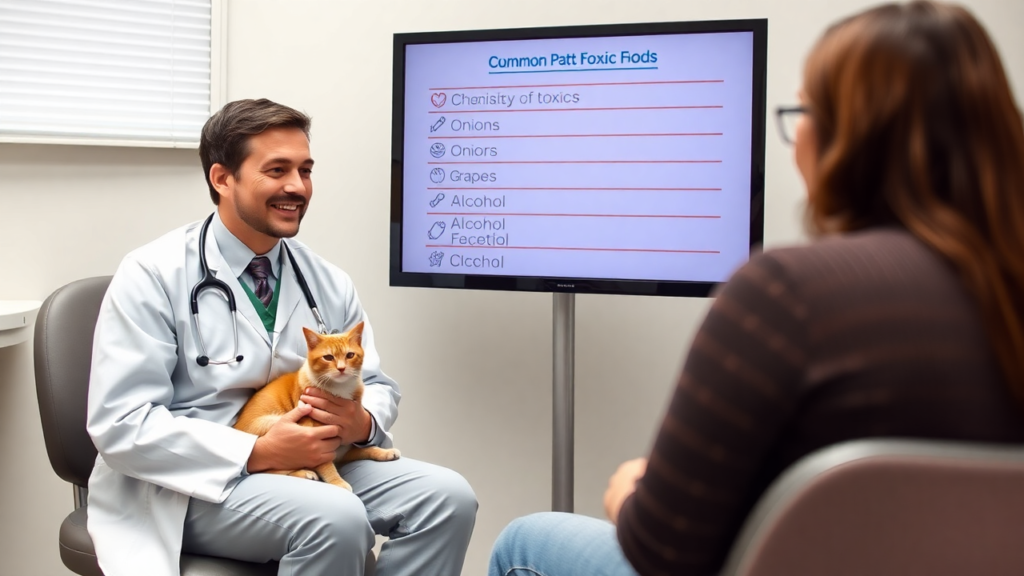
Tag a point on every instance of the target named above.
point(787, 117)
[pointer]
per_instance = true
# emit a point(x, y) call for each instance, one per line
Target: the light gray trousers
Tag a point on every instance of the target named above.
point(316, 529)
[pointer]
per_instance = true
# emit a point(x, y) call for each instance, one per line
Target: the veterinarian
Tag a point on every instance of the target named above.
point(173, 364)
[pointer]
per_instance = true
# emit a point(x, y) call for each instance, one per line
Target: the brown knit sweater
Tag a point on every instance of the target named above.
point(867, 334)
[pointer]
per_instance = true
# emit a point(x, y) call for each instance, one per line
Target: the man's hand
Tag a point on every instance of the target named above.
point(621, 485)
point(291, 446)
point(350, 417)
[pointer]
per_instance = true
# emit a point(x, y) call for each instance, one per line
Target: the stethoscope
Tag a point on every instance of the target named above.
point(210, 281)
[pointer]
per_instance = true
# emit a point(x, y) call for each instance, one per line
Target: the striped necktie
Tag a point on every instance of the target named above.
point(259, 269)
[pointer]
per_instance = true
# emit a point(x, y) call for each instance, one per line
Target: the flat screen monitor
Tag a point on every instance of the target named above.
point(623, 159)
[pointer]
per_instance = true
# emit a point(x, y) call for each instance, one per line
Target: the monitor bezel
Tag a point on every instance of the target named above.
point(399, 278)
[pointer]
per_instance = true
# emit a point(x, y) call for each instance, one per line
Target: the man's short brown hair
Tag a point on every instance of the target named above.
point(225, 137)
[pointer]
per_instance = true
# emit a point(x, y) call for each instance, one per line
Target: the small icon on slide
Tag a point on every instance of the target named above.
point(437, 175)
point(437, 150)
point(438, 99)
point(436, 230)
point(435, 259)
point(438, 124)
point(437, 199)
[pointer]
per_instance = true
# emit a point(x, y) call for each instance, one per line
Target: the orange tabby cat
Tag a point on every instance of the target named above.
point(334, 364)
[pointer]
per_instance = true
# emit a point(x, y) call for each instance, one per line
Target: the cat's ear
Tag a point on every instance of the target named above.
point(312, 338)
point(356, 333)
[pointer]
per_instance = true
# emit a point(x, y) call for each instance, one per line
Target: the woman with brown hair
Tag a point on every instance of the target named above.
point(903, 318)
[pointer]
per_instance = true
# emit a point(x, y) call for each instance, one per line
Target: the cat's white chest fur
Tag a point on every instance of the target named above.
point(341, 385)
point(346, 388)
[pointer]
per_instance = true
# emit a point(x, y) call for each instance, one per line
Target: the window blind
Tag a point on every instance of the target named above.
point(119, 70)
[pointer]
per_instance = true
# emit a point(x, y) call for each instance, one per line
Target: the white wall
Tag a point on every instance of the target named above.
point(475, 366)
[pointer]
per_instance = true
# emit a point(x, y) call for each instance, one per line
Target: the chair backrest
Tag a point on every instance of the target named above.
point(887, 507)
point(63, 357)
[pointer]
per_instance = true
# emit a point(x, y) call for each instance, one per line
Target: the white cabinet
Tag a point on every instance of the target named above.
point(16, 320)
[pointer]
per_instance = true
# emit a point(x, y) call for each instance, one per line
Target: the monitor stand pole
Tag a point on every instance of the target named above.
point(563, 357)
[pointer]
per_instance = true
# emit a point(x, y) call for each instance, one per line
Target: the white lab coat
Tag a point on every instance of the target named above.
point(161, 422)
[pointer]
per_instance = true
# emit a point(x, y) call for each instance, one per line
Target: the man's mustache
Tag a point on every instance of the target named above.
point(288, 199)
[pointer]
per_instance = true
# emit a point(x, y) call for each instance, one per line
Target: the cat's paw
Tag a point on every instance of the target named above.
point(307, 474)
point(392, 454)
point(342, 484)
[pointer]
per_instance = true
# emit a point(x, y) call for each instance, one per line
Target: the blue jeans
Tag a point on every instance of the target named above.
point(558, 544)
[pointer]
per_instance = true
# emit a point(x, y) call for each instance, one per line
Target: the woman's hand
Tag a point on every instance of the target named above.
point(350, 417)
point(621, 485)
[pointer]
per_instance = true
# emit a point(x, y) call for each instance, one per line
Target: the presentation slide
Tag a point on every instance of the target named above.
point(621, 158)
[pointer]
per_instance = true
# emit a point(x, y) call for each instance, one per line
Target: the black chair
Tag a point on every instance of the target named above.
point(889, 507)
point(63, 352)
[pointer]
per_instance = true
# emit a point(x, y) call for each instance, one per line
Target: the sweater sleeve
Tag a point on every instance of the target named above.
point(738, 387)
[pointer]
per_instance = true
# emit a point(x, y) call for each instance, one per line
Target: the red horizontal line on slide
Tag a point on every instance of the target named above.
point(580, 249)
point(455, 189)
point(559, 215)
point(596, 109)
point(580, 162)
point(579, 135)
point(584, 84)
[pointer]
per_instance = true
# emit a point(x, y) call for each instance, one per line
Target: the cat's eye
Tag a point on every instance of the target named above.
point(350, 355)
point(328, 357)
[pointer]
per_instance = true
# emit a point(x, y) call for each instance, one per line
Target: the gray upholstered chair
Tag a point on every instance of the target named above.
point(890, 507)
point(63, 351)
